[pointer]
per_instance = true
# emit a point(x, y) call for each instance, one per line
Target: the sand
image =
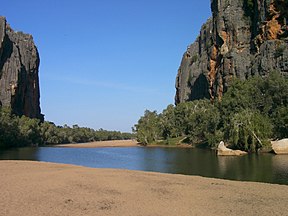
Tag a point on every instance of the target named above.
point(98, 144)
point(39, 188)
point(118, 143)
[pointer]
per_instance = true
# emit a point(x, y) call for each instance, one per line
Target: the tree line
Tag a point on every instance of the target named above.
point(23, 131)
point(250, 114)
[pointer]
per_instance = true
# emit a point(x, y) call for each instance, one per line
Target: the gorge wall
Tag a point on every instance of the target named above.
point(241, 39)
point(19, 65)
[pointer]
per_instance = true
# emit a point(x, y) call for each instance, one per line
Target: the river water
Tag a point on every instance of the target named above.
point(259, 168)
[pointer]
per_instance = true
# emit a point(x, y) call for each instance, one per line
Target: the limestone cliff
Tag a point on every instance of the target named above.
point(19, 64)
point(243, 38)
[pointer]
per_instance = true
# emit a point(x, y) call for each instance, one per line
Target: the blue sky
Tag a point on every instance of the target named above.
point(103, 62)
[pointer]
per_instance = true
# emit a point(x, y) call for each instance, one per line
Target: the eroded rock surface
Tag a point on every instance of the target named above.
point(19, 64)
point(243, 38)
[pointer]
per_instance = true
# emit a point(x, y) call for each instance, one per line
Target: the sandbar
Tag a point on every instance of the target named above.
point(118, 143)
point(101, 144)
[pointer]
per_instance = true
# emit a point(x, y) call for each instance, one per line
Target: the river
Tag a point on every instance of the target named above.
point(268, 168)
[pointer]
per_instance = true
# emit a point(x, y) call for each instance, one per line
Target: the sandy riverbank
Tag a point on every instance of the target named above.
point(98, 144)
point(117, 143)
point(38, 188)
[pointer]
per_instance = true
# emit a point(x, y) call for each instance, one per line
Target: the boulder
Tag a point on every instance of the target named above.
point(280, 146)
point(222, 150)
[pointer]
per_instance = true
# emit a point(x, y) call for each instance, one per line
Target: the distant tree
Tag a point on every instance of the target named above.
point(23, 131)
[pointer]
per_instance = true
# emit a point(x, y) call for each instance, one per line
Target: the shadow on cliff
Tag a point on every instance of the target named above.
point(6, 52)
point(199, 89)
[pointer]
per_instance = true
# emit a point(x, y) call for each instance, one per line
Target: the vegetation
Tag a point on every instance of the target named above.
point(22, 131)
point(251, 113)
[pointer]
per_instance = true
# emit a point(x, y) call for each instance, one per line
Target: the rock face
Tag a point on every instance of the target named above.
point(19, 63)
point(222, 150)
point(243, 38)
point(280, 146)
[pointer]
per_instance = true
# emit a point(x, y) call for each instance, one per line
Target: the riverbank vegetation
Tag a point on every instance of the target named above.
point(22, 131)
point(250, 114)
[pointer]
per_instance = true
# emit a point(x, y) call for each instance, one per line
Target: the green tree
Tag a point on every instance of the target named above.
point(280, 122)
point(268, 95)
point(203, 122)
point(30, 131)
point(50, 133)
point(168, 123)
point(148, 128)
point(9, 130)
point(249, 130)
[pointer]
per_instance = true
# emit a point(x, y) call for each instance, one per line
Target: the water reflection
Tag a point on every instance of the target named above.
point(19, 154)
point(280, 163)
point(263, 168)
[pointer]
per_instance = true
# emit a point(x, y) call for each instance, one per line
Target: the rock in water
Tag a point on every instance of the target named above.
point(19, 65)
point(243, 38)
point(222, 150)
point(280, 146)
